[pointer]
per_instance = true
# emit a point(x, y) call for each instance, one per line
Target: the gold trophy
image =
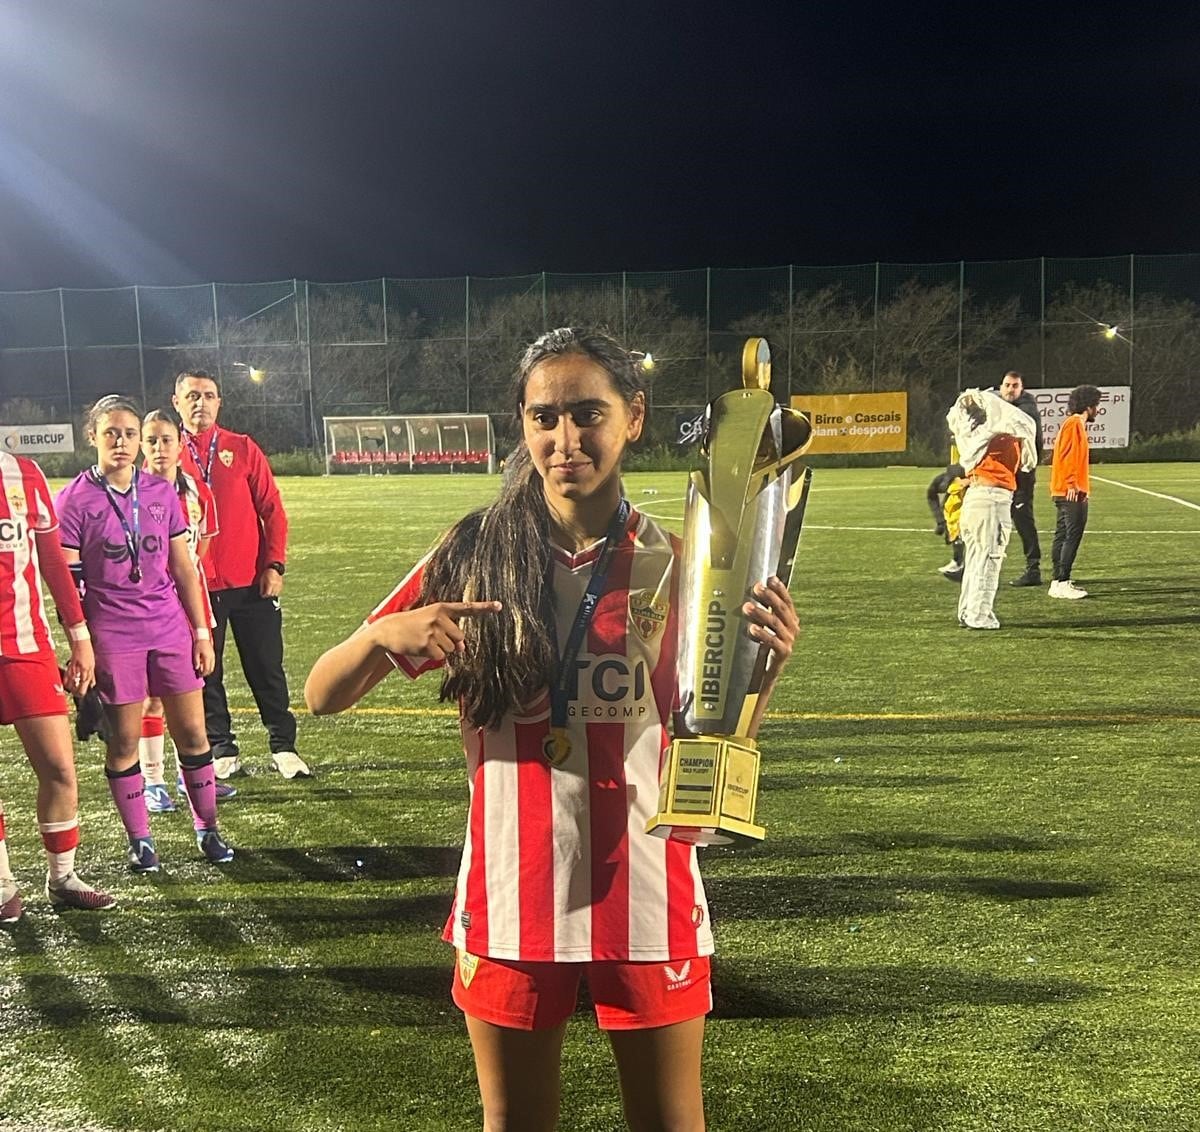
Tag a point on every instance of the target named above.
point(741, 524)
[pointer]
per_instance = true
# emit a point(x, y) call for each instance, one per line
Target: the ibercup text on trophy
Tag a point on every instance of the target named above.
point(742, 521)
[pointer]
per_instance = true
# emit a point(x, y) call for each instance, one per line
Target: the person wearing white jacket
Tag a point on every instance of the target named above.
point(995, 440)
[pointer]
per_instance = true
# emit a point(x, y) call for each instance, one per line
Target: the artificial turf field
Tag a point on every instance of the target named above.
point(975, 909)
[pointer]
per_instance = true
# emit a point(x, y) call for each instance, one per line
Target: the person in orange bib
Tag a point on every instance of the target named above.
point(995, 440)
point(1069, 488)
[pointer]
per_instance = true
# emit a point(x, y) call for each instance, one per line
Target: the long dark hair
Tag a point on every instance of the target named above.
point(502, 553)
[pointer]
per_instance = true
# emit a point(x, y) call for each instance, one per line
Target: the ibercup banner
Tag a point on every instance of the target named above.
point(1110, 429)
point(27, 439)
point(856, 422)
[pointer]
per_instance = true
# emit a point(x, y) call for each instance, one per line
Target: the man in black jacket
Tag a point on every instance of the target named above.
point(1012, 389)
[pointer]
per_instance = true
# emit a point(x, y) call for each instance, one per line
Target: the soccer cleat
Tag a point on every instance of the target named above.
point(214, 849)
point(1067, 589)
point(1029, 578)
point(223, 789)
point(227, 766)
point(953, 575)
point(158, 799)
point(141, 856)
point(10, 902)
point(71, 892)
point(290, 764)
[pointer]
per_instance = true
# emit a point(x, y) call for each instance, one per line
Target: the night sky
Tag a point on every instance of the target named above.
point(160, 142)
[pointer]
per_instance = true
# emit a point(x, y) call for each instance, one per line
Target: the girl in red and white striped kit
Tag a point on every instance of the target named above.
point(32, 698)
point(553, 613)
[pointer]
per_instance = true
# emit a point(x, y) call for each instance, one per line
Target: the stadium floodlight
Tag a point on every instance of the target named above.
point(645, 360)
point(258, 376)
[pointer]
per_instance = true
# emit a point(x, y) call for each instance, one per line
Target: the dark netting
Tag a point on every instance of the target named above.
point(307, 350)
point(101, 318)
point(426, 308)
point(31, 320)
point(347, 312)
point(261, 313)
point(177, 316)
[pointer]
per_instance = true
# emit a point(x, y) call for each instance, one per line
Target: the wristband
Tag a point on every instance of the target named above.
point(79, 632)
point(202, 634)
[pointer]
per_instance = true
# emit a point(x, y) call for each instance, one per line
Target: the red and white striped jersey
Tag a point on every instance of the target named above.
point(200, 512)
point(26, 509)
point(557, 865)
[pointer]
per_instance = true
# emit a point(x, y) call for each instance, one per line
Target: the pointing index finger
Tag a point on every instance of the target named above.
point(458, 609)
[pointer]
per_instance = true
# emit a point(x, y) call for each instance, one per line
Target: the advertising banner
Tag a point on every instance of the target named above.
point(856, 422)
point(29, 439)
point(1110, 429)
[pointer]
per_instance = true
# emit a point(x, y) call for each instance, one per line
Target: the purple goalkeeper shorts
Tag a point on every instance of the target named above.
point(126, 677)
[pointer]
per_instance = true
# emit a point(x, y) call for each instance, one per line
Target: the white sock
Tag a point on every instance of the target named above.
point(61, 861)
point(150, 754)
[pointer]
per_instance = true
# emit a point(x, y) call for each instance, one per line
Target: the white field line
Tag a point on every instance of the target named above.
point(1147, 491)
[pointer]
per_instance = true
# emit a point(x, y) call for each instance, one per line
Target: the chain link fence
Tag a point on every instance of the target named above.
point(451, 345)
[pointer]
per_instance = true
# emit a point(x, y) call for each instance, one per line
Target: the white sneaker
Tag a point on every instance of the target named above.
point(1067, 589)
point(290, 764)
point(10, 901)
point(951, 567)
point(228, 766)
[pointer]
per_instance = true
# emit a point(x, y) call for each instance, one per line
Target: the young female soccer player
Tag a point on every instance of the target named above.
point(161, 447)
point(553, 613)
point(126, 534)
point(31, 692)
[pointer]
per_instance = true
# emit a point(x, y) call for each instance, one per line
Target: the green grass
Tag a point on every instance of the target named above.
point(975, 908)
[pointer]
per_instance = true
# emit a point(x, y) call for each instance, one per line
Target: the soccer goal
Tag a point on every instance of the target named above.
point(440, 443)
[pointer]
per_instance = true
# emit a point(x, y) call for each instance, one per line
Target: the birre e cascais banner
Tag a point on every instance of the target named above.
point(856, 422)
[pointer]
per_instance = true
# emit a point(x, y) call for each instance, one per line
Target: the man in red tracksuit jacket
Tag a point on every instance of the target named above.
point(244, 567)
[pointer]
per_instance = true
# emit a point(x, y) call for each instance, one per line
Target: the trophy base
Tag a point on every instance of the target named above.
point(709, 792)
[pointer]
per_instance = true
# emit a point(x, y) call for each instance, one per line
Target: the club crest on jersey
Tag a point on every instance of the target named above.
point(226, 457)
point(157, 512)
point(193, 510)
point(648, 612)
point(467, 966)
point(16, 501)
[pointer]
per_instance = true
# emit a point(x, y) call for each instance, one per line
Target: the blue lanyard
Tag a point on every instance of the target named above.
point(557, 745)
point(132, 537)
point(205, 469)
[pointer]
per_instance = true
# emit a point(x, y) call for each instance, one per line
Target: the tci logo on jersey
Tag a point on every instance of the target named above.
point(119, 551)
point(610, 687)
point(13, 533)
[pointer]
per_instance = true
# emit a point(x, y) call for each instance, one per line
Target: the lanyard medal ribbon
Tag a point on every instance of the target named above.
point(204, 469)
point(557, 744)
point(133, 539)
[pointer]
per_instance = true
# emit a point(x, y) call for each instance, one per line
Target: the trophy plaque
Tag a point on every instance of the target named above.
point(742, 520)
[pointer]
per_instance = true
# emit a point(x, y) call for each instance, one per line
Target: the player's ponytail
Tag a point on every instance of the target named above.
point(502, 553)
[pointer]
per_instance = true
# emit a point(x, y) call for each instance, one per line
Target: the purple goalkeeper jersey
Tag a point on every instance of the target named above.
point(126, 614)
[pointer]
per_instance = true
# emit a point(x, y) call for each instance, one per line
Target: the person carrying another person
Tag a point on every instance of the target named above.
point(995, 440)
point(1012, 389)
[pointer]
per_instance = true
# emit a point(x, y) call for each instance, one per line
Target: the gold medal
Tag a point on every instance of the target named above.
point(556, 746)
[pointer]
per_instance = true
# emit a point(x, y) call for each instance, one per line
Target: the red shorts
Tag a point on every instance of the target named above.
point(30, 685)
point(540, 996)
